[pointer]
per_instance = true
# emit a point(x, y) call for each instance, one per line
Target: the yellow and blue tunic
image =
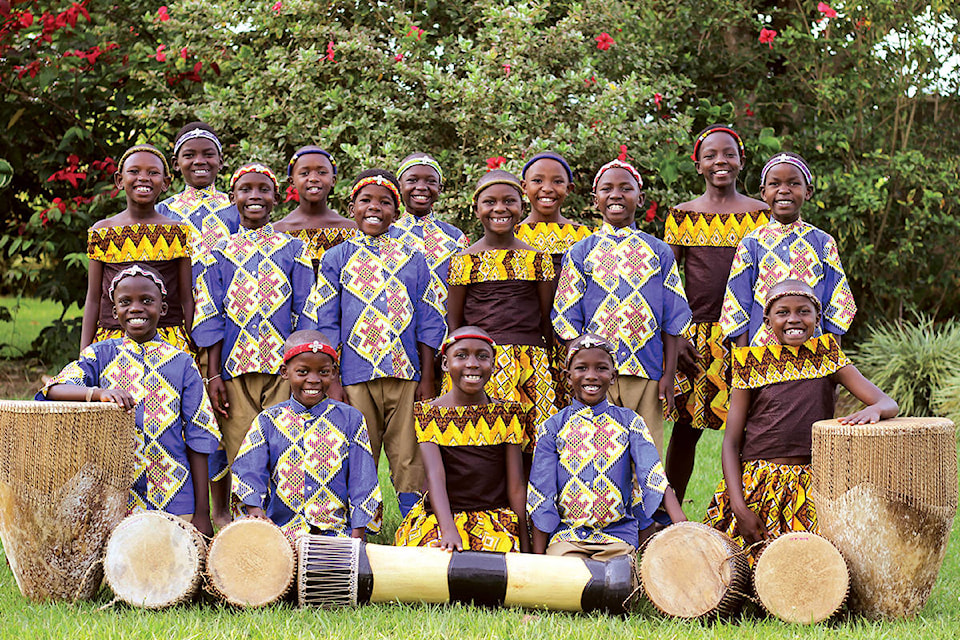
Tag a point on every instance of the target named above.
point(210, 214)
point(322, 239)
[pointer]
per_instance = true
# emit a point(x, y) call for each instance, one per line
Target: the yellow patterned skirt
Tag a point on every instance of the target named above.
point(173, 335)
point(561, 386)
point(491, 530)
point(703, 402)
point(778, 493)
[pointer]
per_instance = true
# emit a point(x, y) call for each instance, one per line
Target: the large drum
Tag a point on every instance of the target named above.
point(250, 563)
point(65, 471)
point(154, 560)
point(886, 496)
point(345, 571)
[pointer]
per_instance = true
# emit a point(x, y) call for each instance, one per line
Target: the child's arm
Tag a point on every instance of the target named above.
point(201, 492)
point(91, 305)
point(77, 393)
point(879, 405)
point(215, 386)
point(202, 437)
point(738, 296)
point(303, 307)
point(748, 523)
point(672, 506)
point(541, 540)
point(437, 486)
point(456, 294)
point(568, 314)
point(425, 388)
point(363, 488)
point(542, 489)
point(185, 284)
point(687, 356)
point(665, 385)
point(517, 492)
point(251, 470)
point(545, 296)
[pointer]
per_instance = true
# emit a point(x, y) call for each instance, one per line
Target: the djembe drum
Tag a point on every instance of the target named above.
point(886, 496)
point(250, 563)
point(65, 471)
point(345, 571)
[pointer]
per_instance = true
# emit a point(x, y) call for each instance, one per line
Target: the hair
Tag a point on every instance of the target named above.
point(617, 163)
point(255, 167)
point(548, 155)
point(144, 148)
point(138, 269)
point(307, 150)
point(497, 176)
point(786, 288)
point(420, 159)
point(590, 341)
point(787, 157)
point(305, 336)
point(189, 128)
point(384, 176)
point(716, 128)
point(464, 333)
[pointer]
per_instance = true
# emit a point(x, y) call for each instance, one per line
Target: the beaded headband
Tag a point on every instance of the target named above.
point(136, 270)
point(785, 159)
point(423, 161)
point(618, 164)
point(466, 336)
point(254, 167)
point(792, 292)
point(144, 148)
point(316, 347)
point(378, 180)
point(194, 134)
point(548, 155)
point(703, 136)
point(305, 152)
point(590, 341)
point(489, 183)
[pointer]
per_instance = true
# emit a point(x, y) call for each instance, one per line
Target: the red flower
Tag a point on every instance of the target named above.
point(767, 36)
point(591, 80)
point(398, 57)
point(330, 51)
point(415, 31)
point(277, 6)
point(748, 110)
point(623, 153)
point(651, 212)
point(163, 14)
point(658, 99)
point(604, 41)
point(826, 10)
point(26, 19)
point(183, 53)
point(292, 194)
point(507, 68)
point(161, 56)
point(494, 162)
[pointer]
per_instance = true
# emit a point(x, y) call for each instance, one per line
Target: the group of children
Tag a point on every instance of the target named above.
point(525, 375)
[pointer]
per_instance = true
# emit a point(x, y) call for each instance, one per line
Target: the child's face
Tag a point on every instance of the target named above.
point(546, 186)
point(313, 177)
point(618, 197)
point(470, 364)
point(420, 188)
point(499, 208)
point(199, 162)
point(792, 319)
point(142, 178)
point(719, 161)
point(255, 195)
point(310, 375)
point(591, 372)
point(373, 209)
point(785, 189)
point(138, 306)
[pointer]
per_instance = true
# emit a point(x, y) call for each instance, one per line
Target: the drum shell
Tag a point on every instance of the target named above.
point(250, 563)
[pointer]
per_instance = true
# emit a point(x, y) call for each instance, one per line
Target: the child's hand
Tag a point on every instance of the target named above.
point(424, 388)
point(666, 390)
point(218, 396)
point(751, 527)
point(864, 416)
point(451, 542)
point(202, 522)
point(120, 397)
point(687, 357)
point(257, 513)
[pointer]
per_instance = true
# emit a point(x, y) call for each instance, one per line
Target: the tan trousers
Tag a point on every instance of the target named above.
point(590, 550)
point(248, 395)
point(387, 407)
point(641, 395)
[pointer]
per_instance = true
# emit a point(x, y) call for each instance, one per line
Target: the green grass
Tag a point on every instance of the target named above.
point(21, 618)
point(30, 316)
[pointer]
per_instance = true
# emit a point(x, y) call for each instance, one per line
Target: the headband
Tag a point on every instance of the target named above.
point(703, 136)
point(548, 155)
point(316, 347)
point(136, 270)
point(618, 164)
point(588, 341)
point(792, 292)
point(145, 148)
point(466, 336)
point(424, 161)
point(785, 159)
point(254, 167)
point(512, 182)
point(194, 134)
point(305, 152)
point(378, 180)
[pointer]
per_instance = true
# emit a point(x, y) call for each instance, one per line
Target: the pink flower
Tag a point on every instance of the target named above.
point(658, 99)
point(767, 36)
point(398, 57)
point(494, 162)
point(415, 31)
point(330, 51)
point(163, 14)
point(161, 56)
point(277, 6)
point(826, 10)
point(623, 153)
point(507, 68)
point(604, 41)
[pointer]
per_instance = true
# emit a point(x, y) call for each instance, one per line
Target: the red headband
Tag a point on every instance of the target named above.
point(709, 132)
point(316, 347)
point(466, 336)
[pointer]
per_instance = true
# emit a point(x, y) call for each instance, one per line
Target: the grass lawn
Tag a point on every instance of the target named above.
point(30, 316)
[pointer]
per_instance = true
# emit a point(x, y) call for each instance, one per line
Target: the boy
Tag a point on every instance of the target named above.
point(306, 463)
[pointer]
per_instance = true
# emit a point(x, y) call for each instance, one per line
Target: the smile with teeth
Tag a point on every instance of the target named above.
point(470, 378)
point(143, 189)
point(794, 332)
point(420, 198)
point(591, 388)
point(615, 207)
point(312, 392)
point(200, 172)
point(254, 207)
point(136, 322)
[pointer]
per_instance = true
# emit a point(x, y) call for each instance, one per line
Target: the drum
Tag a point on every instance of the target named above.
point(65, 471)
point(345, 571)
point(801, 578)
point(690, 570)
point(886, 496)
point(250, 563)
point(154, 560)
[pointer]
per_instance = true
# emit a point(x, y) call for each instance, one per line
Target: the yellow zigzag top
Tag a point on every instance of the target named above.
point(134, 242)
point(500, 264)
point(319, 240)
point(755, 367)
point(476, 425)
point(698, 229)
point(552, 237)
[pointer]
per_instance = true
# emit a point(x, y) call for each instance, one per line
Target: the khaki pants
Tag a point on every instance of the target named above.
point(641, 395)
point(591, 550)
point(248, 395)
point(387, 407)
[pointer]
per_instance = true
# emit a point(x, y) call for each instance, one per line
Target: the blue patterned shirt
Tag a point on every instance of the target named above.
point(210, 214)
point(438, 241)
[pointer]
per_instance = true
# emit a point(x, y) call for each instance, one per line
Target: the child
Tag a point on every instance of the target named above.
point(254, 292)
point(623, 285)
point(377, 299)
point(313, 172)
point(139, 234)
point(787, 247)
point(582, 497)
point(779, 391)
point(503, 286)
point(703, 234)
point(546, 181)
point(176, 430)
point(470, 445)
point(306, 464)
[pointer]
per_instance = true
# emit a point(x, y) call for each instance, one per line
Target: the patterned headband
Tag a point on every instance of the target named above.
point(466, 336)
point(547, 155)
point(136, 270)
point(254, 167)
point(708, 132)
point(785, 159)
point(423, 161)
point(193, 134)
point(378, 180)
point(792, 292)
point(316, 347)
point(512, 182)
point(306, 152)
point(588, 341)
point(618, 164)
point(144, 148)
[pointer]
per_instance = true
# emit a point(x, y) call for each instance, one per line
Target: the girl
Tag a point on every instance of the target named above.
point(504, 286)
point(704, 234)
point(779, 391)
point(139, 234)
point(470, 446)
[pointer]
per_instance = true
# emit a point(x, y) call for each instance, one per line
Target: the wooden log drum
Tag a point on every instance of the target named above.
point(250, 563)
